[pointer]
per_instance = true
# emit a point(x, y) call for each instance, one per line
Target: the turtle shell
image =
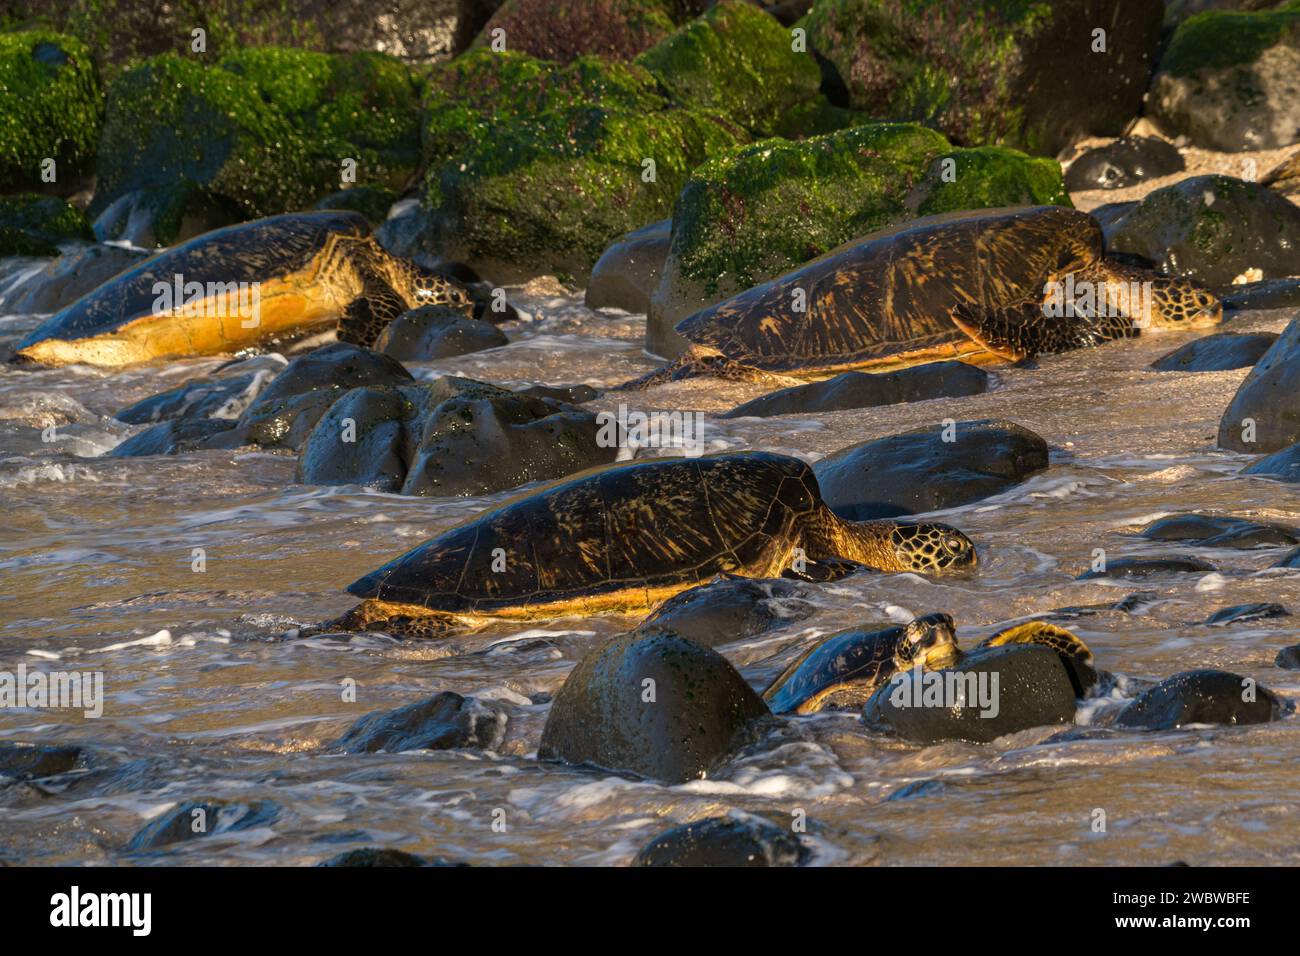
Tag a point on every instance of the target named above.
point(854, 656)
point(632, 528)
point(889, 295)
point(260, 251)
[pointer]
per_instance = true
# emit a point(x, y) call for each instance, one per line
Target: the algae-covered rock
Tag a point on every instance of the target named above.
point(739, 61)
point(34, 225)
point(1026, 73)
point(51, 108)
point(1228, 79)
point(534, 166)
point(619, 29)
point(373, 202)
point(764, 209)
point(187, 147)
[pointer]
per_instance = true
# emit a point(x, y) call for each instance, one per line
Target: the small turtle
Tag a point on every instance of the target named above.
point(626, 537)
point(239, 286)
point(984, 285)
point(845, 669)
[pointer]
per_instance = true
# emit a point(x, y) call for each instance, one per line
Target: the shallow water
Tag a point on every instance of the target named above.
point(206, 699)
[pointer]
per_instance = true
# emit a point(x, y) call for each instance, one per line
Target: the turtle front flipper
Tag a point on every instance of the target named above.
point(1026, 329)
point(399, 620)
point(1074, 652)
point(369, 313)
point(825, 569)
point(701, 360)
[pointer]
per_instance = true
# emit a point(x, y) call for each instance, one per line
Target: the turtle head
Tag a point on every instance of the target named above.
point(930, 641)
point(931, 548)
point(1179, 305)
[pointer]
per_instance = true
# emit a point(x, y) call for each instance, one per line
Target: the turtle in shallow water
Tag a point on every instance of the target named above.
point(984, 285)
point(240, 286)
point(845, 669)
point(627, 537)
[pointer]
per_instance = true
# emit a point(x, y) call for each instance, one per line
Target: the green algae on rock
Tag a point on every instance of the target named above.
point(34, 225)
point(618, 29)
point(50, 108)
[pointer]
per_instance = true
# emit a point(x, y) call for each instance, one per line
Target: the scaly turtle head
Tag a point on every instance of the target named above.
point(930, 641)
point(1179, 305)
point(931, 548)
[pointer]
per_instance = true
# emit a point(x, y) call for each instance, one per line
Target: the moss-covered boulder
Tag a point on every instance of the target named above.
point(535, 166)
point(1228, 79)
point(618, 29)
point(1023, 73)
point(33, 225)
point(51, 107)
point(769, 207)
point(739, 61)
point(1212, 229)
point(188, 147)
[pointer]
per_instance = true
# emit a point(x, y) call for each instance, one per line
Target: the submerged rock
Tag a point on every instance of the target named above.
point(655, 705)
point(1020, 686)
point(1217, 353)
point(205, 397)
point(177, 436)
point(724, 841)
point(1266, 294)
point(1282, 465)
point(868, 390)
point(67, 278)
point(626, 274)
point(1220, 531)
point(35, 761)
point(918, 471)
point(378, 856)
point(436, 332)
point(1134, 568)
point(1125, 162)
point(573, 394)
point(1288, 658)
point(441, 722)
point(1203, 697)
point(1289, 560)
point(1264, 415)
point(35, 225)
point(200, 818)
point(730, 609)
point(1242, 613)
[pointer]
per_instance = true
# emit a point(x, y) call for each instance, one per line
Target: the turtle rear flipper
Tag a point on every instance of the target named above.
point(369, 313)
point(1020, 331)
point(701, 360)
point(1075, 654)
point(825, 569)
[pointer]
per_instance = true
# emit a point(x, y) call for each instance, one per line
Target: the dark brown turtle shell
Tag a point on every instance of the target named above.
point(889, 295)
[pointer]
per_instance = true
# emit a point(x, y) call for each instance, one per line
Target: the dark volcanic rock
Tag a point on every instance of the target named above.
point(442, 722)
point(1288, 658)
point(1217, 353)
point(724, 841)
point(201, 398)
point(1212, 229)
point(1203, 697)
point(1032, 689)
point(866, 390)
point(67, 278)
point(626, 274)
point(1220, 531)
point(730, 609)
point(573, 394)
point(655, 704)
point(918, 471)
point(1264, 415)
point(1289, 560)
point(200, 818)
point(179, 435)
point(34, 761)
point(1242, 613)
point(435, 332)
point(1282, 465)
point(378, 856)
point(1130, 568)
point(1268, 294)
point(373, 202)
point(1125, 162)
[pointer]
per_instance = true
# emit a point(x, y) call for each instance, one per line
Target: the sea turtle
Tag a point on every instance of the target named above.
point(984, 285)
point(627, 537)
point(240, 286)
point(846, 668)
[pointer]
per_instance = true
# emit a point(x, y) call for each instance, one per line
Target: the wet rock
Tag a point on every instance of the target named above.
point(1289, 560)
point(573, 394)
point(1227, 80)
point(1266, 294)
point(403, 232)
point(206, 397)
point(66, 279)
point(373, 202)
point(442, 722)
point(1111, 213)
point(1203, 697)
point(1264, 415)
point(35, 761)
point(1021, 686)
point(377, 856)
point(1288, 658)
point(625, 275)
point(730, 609)
point(177, 436)
point(618, 29)
point(1243, 613)
point(918, 471)
point(679, 727)
point(1217, 353)
point(1282, 465)
point(200, 818)
point(1220, 531)
point(1125, 162)
point(435, 332)
point(1137, 568)
point(868, 390)
point(1212, 229)
point(766, 209)
point(1005, 78)
point(35, 225)
point(724, 841)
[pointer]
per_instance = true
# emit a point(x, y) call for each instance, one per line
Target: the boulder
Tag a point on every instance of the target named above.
point(1227, 80)
point(1264, 415)
point(1139, 568)
point(375, 856)
point(35, 225)
point(1282, 465)
point(1288, 658)
point(177, 436)
point(66, 279)
point(618, 29)
point(36, 761)
point(1244, 613)
point(655, 705)
point(373, 202)
point(1220, 531)
point(737, 840)
point(625, 275)
point(1265, 294)
point(193, 819)
point(730, 609)
point(435, 332)
point(868, 390)
point(441, 722)
point(918, 471)
point(1203, 697)
point(1217, 353)
point(1123, 163)
point(1289, 560)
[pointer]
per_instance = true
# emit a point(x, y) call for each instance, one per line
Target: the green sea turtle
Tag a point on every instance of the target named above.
point(984, 285)
point(626, 537)
point(241, 286)
point(846, 668)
